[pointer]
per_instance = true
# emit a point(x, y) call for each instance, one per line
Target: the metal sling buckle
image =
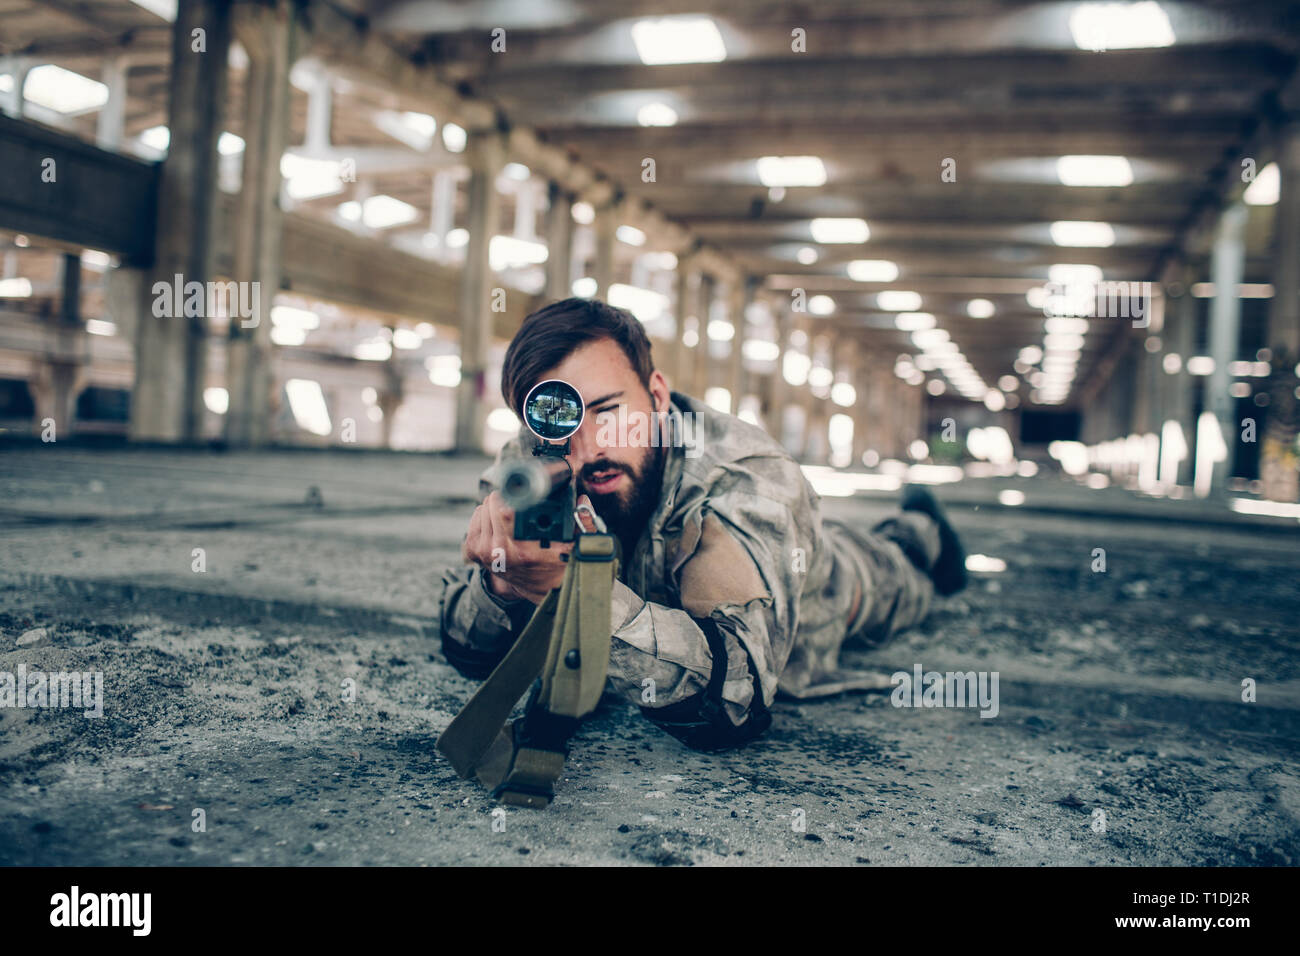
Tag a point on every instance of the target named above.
point(596, 519)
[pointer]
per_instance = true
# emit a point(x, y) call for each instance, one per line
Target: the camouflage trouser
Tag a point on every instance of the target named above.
point(874, 591)
point(896, 592)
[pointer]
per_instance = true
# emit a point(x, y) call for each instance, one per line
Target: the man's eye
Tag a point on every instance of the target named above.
point(607, 408)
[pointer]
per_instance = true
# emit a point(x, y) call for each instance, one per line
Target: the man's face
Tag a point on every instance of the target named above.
point(617, 468)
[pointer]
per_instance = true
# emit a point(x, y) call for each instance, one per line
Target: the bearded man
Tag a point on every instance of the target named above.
point(731, 587)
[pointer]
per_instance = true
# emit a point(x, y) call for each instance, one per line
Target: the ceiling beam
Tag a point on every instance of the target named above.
point(1208, 67)
point(861, 34)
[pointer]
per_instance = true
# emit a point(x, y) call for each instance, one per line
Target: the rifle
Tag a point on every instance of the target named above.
point(563, 652)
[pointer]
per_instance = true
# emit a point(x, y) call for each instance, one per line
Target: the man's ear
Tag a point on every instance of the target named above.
point(658, 384)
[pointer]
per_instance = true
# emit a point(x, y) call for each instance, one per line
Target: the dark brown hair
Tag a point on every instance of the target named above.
point(551, 333)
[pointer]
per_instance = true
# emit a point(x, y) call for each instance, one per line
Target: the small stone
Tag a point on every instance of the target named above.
point(32, 636)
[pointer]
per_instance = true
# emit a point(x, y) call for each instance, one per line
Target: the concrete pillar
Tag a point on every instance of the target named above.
point(1226, 267)
point(268, 34)
point(778, 389)
point(684, 309)
point(527, 200)
point(442, 213)
point(127, 298)
point(59, 380)
point(1151, 341)
point(882, 391)
point(17, 68)
point(1284, 309)
point(110, 122)
point(806, 446)
point(485, 154)
point(559, 244)
point(320, 112)
point(171, 348)
point(860, 379)
point(606, 224)
point(896, 414)
point(1278, 468)
point(1175, 426)
point(701, 377)
point(390, 398)
point(739, 297)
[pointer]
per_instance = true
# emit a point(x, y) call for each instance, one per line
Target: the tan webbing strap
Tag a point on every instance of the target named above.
point(472, 731)
point(572, 662)
point(574, 675)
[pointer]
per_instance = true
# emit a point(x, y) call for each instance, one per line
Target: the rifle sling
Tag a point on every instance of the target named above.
point(566, 643)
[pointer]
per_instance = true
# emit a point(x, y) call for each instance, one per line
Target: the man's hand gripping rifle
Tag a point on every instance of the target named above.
point(563, 652)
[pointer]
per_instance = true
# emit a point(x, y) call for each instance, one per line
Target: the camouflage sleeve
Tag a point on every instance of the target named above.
point(478, 628)
point(739, 597)
point(690, 675)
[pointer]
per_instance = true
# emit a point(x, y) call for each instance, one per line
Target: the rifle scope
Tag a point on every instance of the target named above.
point(540, 489)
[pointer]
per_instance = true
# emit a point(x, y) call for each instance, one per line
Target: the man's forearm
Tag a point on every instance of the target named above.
point(659, 656)
point(477, 628)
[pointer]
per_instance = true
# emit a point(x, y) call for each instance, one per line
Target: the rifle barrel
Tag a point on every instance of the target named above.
point(528, 482)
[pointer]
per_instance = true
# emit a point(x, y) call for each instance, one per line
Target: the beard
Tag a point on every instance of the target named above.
point(627, 513)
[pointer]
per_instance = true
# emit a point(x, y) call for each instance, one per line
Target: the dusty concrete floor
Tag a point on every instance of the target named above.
point(1120, 691)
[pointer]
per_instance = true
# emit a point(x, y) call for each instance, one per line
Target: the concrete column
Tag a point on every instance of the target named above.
point(678, 356)
point(1175, 388)
point(443, 210)
point(110, 122)
point(390, 398)
point(860, 412)
point(559, 244)
point(778, 389)
point(1226, 267)
point(485, 154)
point(882, 379)
point(59, 380)
point(171, 349)
point(1284, 310)
point(739, 297)
point(268, 34)
point(896, 415)
point(527, 200)
point(701, 377)
point(320, 112)
point(18, 68)
point(1278, 468)
point(606, 224)
point(808, 448)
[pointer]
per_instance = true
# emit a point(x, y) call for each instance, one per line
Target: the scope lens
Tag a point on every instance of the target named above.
point(553, 410)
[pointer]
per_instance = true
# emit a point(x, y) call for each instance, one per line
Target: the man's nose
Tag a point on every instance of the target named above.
point(583, 447)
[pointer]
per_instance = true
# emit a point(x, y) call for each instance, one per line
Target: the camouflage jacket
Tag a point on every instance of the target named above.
point(735, 589)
